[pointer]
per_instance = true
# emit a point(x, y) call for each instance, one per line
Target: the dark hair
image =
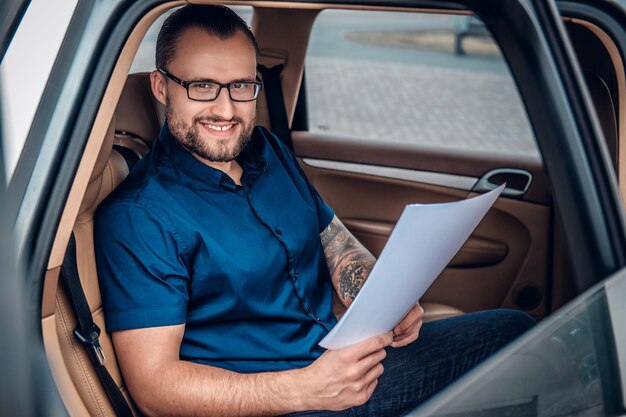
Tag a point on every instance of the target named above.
point(214, 19)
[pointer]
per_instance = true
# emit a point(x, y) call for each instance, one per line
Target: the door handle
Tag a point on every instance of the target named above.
point(517, 182)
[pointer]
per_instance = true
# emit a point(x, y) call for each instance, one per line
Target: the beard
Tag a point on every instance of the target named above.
point(188, 136)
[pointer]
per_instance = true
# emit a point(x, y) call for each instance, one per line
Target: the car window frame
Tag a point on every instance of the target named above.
point(11, 13)
point(22, 393)
point(301, 122)
point(42, 208)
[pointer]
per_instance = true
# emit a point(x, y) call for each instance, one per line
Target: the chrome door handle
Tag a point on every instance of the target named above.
point(517, 182)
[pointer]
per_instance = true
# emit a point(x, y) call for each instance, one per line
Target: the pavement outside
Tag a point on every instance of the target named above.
point(436, 106)
point(440, 40)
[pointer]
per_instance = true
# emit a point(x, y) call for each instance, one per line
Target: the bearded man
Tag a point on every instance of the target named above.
point(217, 261)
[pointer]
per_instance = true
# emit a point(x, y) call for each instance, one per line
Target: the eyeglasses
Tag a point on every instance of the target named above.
point(239, 91)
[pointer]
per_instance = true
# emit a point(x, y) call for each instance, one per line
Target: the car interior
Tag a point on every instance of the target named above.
point(515, 259)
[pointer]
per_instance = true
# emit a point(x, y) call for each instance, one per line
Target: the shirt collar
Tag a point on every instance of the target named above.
point(250, 159)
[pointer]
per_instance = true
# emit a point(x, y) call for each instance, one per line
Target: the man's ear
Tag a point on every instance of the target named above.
point(157, 83)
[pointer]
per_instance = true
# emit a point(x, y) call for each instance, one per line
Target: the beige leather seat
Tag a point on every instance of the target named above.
point(108, 173)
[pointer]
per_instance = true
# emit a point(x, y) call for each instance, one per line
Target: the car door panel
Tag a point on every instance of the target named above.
point(505, 261)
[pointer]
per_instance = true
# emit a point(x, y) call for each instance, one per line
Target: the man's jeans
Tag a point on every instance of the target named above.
point(444, 351)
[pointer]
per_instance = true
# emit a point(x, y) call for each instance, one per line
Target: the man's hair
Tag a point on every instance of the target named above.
point(216, 20)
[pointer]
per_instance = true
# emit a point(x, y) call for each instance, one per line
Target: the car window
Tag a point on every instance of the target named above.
point(144, 59)
point(25, 69)
point(436, 80)
point(563, 367)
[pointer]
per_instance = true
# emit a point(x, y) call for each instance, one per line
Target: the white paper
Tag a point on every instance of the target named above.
point(424, 240)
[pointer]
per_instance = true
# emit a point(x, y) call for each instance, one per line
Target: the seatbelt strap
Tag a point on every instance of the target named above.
point(276, 103)
point(129, 156)
point(87, 332)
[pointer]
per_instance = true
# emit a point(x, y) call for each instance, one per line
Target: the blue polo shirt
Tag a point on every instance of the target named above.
point(241, 266)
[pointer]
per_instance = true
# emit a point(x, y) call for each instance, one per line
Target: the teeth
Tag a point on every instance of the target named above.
point(219, 128)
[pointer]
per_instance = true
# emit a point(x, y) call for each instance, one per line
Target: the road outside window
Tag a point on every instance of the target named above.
point(428, 79)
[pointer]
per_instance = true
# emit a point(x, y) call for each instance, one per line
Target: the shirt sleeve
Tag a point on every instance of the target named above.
point(143, 279)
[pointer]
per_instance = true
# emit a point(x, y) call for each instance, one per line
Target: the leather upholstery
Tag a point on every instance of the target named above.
point(138, 112)
point(109, 171)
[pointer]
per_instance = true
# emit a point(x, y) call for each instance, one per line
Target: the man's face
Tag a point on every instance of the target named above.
point(217, 130)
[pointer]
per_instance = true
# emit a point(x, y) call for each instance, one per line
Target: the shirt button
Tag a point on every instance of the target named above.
point(278, 231)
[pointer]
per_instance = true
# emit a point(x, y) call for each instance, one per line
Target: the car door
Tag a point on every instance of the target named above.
point(43, 122)
point(397, 115)
point(27, 388)
point(426, 129)
point(573, 362)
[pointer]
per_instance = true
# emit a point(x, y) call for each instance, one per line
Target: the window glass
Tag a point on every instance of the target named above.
point(564, 367)
point(25, 69)
point(437, 80)
point(144, 59)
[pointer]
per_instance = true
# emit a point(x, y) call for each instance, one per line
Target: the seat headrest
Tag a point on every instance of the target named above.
point(138, 112)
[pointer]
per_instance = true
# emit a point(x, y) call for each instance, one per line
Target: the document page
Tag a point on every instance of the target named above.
point(424, 240)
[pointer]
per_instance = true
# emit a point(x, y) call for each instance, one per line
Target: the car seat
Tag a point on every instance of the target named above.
point(72, 370)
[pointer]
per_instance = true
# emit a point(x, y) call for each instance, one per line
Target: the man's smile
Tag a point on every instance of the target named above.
point(221, 129)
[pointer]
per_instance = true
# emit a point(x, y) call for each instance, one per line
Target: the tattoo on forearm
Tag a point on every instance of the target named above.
point(349, 263)
point(351, 279)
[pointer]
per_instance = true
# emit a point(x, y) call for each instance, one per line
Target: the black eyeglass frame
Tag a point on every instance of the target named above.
point(186, 84)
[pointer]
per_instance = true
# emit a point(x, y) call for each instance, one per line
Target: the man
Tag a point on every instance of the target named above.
point(217, 261)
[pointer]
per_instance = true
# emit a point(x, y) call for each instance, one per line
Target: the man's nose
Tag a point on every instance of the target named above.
point(223, 106)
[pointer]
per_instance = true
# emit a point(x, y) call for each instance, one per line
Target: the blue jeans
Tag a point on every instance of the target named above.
point(445, 350)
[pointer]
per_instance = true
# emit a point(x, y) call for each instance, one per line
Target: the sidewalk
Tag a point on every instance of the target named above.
point(436, 106)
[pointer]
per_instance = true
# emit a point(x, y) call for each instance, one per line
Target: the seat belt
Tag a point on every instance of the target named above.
point(276, 102)
point(129, 156)
point(87, 332)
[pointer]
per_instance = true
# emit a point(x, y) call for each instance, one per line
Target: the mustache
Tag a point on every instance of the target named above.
point(212, 119)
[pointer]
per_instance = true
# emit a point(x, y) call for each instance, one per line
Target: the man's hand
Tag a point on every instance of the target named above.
point(408, 329)
point(347, 377)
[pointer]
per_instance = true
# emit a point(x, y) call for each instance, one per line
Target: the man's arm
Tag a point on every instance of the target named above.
point(163, 385)
point(349, 264)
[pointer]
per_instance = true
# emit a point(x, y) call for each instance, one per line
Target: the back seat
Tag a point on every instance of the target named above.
point(135, 125)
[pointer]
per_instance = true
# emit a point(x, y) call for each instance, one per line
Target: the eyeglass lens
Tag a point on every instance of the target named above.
point(243, 91)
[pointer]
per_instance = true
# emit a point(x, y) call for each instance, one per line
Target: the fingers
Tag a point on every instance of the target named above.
point(371, 382)
point(347, 377)
point(407, 331)
point(406, 338)
point(372, 360)
point(369, 346)
point(412, 317)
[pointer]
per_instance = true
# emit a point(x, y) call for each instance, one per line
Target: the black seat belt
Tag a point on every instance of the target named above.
point(87, 332)
point(129, 156)
point(276, 103)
